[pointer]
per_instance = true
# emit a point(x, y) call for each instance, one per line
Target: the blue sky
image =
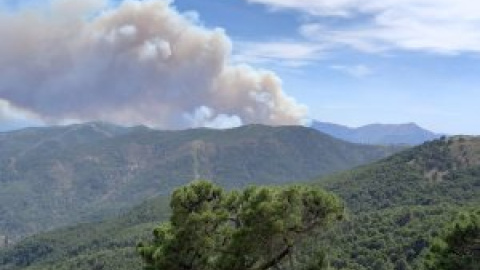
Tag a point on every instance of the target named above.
point(378, 77)
point(350, 62)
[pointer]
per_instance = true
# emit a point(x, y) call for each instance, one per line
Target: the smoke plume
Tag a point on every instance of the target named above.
point(141, 62)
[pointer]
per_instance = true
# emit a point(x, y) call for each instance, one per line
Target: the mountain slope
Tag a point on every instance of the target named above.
point(101, 245)
point(399, 203)
point(382, 134)
point(51, 177)
point(442, 171)
point(395, 206)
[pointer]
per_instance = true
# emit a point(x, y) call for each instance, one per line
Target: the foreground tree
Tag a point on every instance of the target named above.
point(254, 229)
point(459, 248)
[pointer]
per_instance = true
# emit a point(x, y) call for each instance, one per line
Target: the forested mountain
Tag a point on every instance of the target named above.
point(382, 134)
point(55, 176)
point(446, 170)
point(100, 245)
point(399, 203)
point(395, 207)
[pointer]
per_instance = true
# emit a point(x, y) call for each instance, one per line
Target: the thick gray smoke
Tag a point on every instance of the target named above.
point(141, 62)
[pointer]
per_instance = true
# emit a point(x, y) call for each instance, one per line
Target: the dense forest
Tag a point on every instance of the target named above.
point(58, 176)
point(398, 210)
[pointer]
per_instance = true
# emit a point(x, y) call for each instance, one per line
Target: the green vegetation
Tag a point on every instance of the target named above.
point(398, 205)
point(396, 238)
point(101, 245)
point(258, 228)
point(396, 211)
point(459, 247)
point(52, 177)
point(430, 174)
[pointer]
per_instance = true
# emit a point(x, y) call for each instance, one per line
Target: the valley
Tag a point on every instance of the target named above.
point(394, 208)
point(58, 176)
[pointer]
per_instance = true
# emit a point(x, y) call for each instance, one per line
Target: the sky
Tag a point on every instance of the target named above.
point(349, 62)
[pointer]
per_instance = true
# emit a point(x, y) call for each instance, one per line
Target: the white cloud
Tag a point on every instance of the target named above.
point(204, 116)
point(284, 53)
point(441, 26)
point(358, 71)
point(332, 7)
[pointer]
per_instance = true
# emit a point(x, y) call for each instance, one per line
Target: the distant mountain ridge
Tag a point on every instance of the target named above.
point(380, 134)
point(55, 176)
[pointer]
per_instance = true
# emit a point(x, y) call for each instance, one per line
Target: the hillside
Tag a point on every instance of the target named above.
point(395, 207)
point(380, 134)
point(52, 177)
point(441, 171)
point(101, 245)
point(399, 203)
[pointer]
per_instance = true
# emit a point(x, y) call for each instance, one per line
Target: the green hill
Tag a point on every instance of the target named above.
point(441, 171)
point(57, 176)
point(395, 206)
point(398, 204)
point(100, 245)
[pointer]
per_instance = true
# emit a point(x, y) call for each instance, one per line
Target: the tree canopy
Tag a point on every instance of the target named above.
point(459, 248)
point(254, 229)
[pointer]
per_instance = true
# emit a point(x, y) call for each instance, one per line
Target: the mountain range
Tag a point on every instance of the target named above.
point(395, 207)
point(57, 176)
point(379, 134)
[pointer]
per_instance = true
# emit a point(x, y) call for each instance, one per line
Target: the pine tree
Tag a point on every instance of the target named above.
point(254, 229)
